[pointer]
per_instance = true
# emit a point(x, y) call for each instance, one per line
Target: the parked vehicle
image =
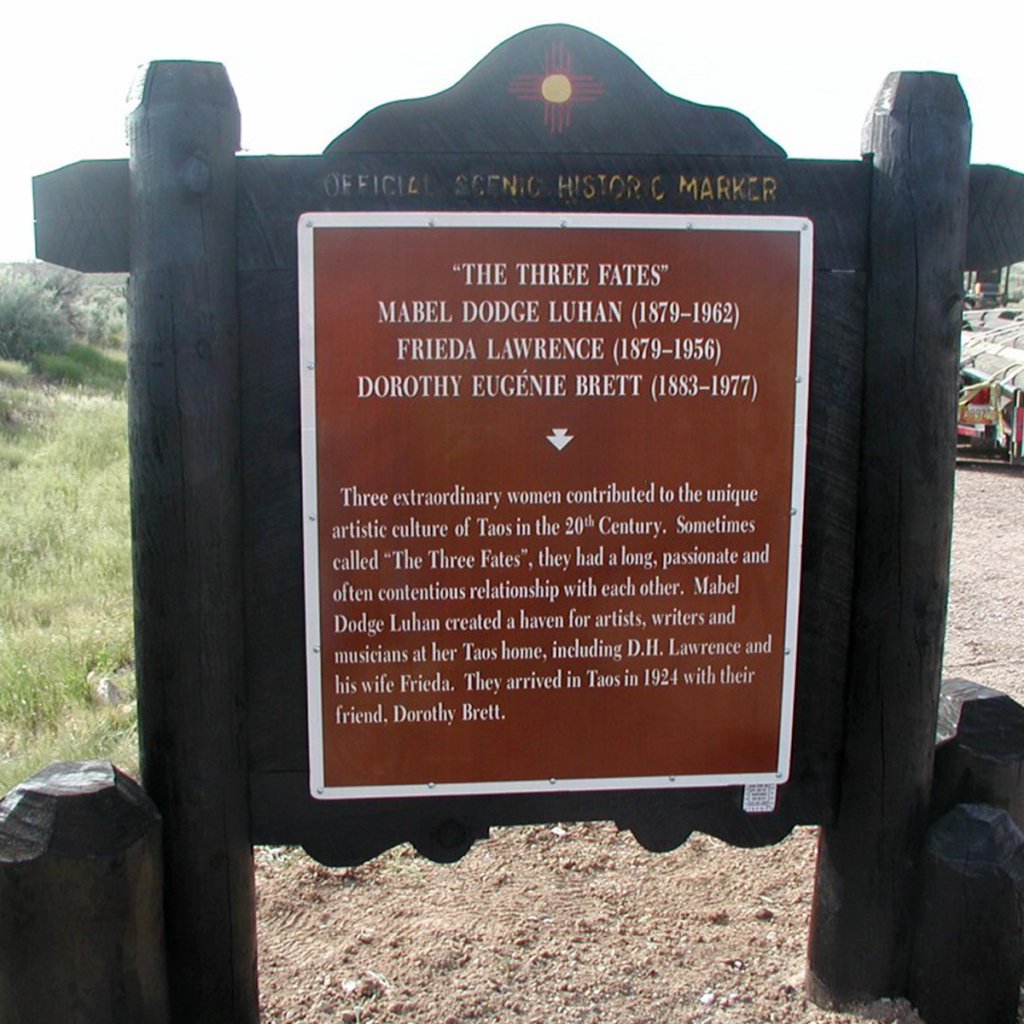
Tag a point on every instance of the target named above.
point(987, 289)
point(991, 406)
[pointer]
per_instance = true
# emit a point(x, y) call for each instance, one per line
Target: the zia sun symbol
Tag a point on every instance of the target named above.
point(558, 88)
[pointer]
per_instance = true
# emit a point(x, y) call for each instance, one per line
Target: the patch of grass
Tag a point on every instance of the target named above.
point(65, 576)
point(86, 733)
point(85, 366)
point(24, 418)
point(12, 371)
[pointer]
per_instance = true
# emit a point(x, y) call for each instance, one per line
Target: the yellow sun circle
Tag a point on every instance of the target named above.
point(556, 89)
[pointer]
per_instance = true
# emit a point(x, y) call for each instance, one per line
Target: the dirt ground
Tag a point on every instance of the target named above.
point(578, 923)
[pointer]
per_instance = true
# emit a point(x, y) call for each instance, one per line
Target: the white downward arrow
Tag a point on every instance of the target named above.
point(559, 437)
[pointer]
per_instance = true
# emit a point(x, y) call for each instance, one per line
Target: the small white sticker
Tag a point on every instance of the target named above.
point(759, 797)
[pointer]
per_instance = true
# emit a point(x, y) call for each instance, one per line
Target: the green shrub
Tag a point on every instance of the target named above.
point(104, 309)
point(44, 309)
point(31, 321)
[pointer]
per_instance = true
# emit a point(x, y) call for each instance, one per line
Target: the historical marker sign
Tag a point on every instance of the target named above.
point(557, 473)
point(553, 473)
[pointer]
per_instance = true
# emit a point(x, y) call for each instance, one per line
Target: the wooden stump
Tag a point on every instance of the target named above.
point(81, 905)
point(969, 944)
point(980, 754)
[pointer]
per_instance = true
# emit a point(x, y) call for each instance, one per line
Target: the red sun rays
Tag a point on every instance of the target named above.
point(558, 88)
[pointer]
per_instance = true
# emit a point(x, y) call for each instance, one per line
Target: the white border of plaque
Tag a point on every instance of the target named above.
point(308, 224)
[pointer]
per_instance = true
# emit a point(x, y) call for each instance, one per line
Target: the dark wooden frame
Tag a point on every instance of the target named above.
point(216, 462)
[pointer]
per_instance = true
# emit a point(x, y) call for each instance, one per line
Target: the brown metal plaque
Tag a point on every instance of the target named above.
point(553, 487)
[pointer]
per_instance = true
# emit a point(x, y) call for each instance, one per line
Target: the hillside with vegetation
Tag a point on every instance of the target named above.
point(66, 675)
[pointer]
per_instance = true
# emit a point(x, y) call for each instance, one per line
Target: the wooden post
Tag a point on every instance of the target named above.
point(81, 909)
point(918, 136)
point(186, 501)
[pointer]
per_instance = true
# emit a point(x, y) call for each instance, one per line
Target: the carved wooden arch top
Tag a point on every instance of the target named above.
point(555, 89)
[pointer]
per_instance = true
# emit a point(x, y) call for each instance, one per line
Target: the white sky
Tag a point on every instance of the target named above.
point(805, 73)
